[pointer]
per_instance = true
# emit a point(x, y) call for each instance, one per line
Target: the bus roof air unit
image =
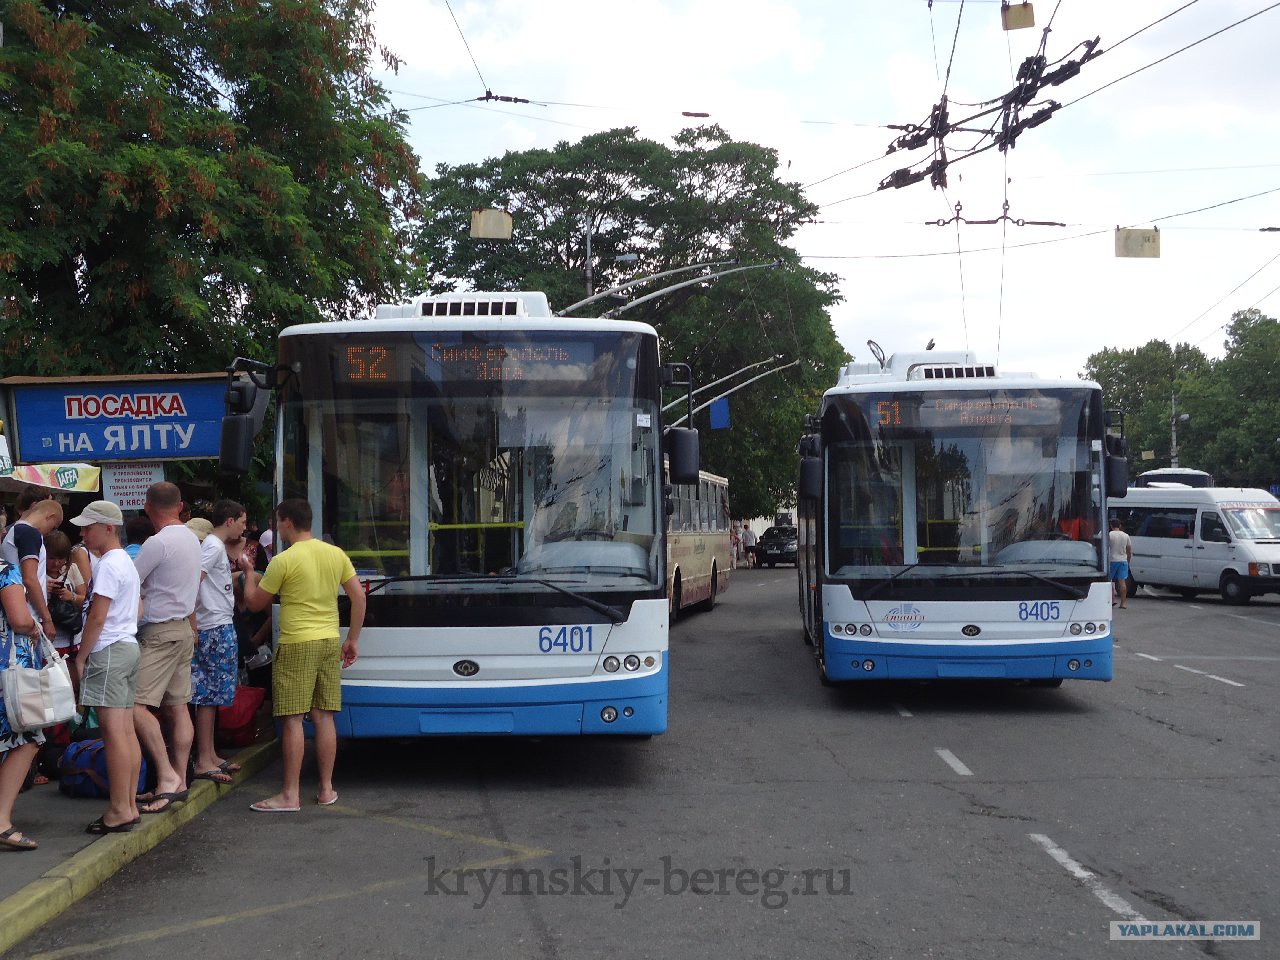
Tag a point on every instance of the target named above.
point(471, 304)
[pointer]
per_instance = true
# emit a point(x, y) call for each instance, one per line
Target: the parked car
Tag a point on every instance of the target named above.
point(777, 545)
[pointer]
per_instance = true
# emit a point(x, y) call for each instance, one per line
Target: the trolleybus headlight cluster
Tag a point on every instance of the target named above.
point(631, 663)
point(852, 629)
point(1079, 628)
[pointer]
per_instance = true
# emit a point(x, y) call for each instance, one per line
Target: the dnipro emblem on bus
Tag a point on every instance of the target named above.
point(906, 616)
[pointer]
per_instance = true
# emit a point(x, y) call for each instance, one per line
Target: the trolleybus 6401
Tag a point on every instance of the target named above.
point(495, 474)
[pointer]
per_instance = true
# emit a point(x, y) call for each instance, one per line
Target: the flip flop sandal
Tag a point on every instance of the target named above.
point(229, 766)
point(98, 828)
point(326, 803)
point(8, 840)
point(261, 807)
point(216, 774)
point(166, 800)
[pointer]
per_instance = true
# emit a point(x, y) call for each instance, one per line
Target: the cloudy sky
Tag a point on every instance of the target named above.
point(817, 81)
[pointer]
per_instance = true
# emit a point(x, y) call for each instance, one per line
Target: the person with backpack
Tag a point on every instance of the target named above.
point(107, 662)
point(17, 747)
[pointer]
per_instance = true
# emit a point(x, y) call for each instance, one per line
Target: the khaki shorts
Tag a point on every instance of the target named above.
point(306, 676)
point(110, 675)
point(164, 670)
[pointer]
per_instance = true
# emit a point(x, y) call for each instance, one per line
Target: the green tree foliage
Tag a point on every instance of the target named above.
point(180, 179)
point(704, 198)
point(1232, 404)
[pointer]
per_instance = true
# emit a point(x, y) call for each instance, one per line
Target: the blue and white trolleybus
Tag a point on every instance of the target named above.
point(953, 524)
point(495, 474)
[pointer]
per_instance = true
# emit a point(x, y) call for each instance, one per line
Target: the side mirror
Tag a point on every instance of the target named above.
point(236, 450)
point(810, 486)
point(683, 454)
point(1117, 469)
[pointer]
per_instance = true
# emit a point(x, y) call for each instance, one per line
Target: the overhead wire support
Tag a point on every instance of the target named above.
point(1003, 218)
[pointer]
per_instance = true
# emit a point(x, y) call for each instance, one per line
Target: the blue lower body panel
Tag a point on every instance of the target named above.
point(847, 660)
point(543, 710)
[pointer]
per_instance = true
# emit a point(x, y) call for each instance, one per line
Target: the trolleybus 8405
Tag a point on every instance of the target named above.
point(953, 524)
point(495, 474)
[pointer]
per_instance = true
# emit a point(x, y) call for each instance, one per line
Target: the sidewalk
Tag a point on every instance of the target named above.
point(38, 885)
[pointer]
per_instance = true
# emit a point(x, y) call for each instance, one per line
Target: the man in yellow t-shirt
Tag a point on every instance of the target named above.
point(306, 675)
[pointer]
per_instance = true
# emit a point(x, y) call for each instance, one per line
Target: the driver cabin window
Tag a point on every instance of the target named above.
point(1212, 529)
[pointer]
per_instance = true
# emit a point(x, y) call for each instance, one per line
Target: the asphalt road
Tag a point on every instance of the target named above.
point(978, 820)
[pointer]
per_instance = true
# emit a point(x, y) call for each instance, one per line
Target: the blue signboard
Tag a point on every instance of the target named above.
point(719, 411)
point(126, 420)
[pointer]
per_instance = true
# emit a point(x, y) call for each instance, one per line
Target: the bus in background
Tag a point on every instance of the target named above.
point(953, 524)
point(698, 544)
point(1173, 475)
point(495, 474)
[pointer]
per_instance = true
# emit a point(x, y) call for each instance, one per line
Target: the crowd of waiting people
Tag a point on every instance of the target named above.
point(171, 612)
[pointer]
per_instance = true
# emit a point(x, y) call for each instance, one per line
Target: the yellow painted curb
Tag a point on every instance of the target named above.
point(30, 908)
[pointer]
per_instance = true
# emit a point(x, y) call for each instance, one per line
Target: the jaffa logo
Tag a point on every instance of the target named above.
point(906, 616)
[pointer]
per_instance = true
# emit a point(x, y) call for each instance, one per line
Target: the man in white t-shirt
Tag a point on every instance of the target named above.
point(169, 567)
point(215, 669)
point(1120, 549)
point(108, 661)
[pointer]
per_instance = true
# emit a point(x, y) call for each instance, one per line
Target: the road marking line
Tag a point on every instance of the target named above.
point(952, 761)
point(1195, 606)
point(1263, 623)
point(903, 711)
point(1089, 879)
point(1211, 676)
point(1147, 656)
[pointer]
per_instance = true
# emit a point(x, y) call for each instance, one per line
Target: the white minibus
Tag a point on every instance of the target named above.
point(1201, 540)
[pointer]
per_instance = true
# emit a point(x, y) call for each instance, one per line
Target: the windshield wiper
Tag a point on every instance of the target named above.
point(880, 585)
point(613, 613)
point(1071, 591)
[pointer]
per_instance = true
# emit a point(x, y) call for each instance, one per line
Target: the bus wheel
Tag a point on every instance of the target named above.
point(822, 665)
point(710, 602)
point(1233, 590)
point(675, 599)
point(1051, 683)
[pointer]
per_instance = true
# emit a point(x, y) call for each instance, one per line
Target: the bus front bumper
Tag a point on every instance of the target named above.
point(1079, 659)
point(638, 706)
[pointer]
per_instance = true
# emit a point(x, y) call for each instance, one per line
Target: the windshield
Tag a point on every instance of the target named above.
point(780, 533)
point(1255, 522)
point(514, 454)
point(935, 484)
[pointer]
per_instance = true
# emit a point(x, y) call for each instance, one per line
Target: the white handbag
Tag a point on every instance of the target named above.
point(37, 697)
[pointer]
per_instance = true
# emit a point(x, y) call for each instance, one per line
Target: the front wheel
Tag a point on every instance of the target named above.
point(1233, 589)
point(822, 665)
point(675, 600)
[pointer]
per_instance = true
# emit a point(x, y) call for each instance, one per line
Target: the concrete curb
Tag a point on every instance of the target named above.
point(30, 908)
